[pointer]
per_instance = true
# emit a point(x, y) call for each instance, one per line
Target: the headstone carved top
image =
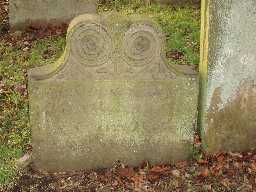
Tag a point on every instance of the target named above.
point(111, 96)
point(101, 53)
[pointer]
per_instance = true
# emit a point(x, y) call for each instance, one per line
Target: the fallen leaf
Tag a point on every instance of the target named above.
point(220, 158)
point(253, 166)
point(182, 164)
point(115, 183)
point(126, 172)
point(159, 169)
point(202, 161)
point(176, 173)
point(238, 155)
point(139, 181)
point(153, 177)
point(207, 187)
point(204, 172)
point(226, 183)
point(217, 170)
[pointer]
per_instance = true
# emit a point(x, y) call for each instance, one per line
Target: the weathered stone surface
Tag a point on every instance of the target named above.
point(111, 97)
point(23, 13)
point(228, 48)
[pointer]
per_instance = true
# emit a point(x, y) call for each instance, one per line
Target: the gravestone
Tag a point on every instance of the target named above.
point(228, 51)
point(23, 13)
point(111, 97)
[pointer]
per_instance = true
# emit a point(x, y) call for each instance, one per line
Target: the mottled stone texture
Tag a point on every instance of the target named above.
point(111, 97)
point(23, 13)
point(229, 43)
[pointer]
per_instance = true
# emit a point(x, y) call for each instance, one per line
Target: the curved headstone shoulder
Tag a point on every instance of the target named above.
point(111, 47)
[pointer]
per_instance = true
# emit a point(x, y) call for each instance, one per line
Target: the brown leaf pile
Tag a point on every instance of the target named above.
point(219, 172)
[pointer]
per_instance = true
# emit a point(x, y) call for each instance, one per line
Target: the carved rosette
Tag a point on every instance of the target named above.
point(91, 44)
point(141, 45)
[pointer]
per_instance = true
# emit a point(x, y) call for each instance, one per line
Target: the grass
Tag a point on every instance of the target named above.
point(181, 26)
point(15, 137)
